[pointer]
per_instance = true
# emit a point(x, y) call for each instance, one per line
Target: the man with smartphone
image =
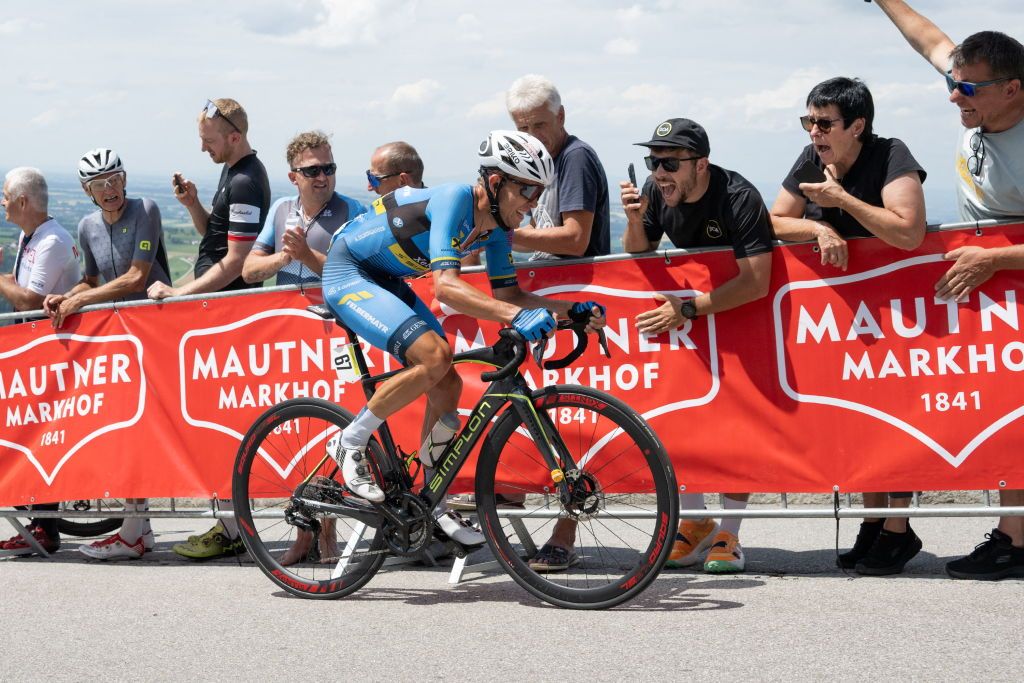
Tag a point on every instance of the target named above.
point(229, 230)
point(984, 75)
point(230, 227)
point(698, 204)
point(293, 243)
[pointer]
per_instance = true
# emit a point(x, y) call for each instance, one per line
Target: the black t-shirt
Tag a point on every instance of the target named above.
point(238, 213)
point(880, 161)
point(731, 213)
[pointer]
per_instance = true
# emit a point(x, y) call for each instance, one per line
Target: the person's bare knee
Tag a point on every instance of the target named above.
point(432, 355)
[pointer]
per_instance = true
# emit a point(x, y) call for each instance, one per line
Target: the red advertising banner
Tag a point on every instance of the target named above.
point(860, 379)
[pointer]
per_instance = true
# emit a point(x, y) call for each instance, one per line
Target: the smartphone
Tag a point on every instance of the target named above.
point(179, 184)
point(809, 173)
point(632, 174)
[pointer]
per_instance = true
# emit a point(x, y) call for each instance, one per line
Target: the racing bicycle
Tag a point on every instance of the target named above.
point(560, 451)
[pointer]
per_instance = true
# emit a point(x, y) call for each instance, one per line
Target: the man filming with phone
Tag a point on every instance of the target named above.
point(849, 182)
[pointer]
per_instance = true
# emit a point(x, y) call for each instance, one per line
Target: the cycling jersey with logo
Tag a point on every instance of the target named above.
point(287, 213)
point(408, 232)
point(137, 236)
point(238, 213)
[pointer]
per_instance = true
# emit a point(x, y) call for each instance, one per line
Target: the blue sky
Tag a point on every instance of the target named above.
point(133, 75)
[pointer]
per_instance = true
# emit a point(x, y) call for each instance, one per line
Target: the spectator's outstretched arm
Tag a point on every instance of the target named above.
point(213, 280)
point(89, 291)
point(924, 36)
point(21, 298)
point(974, 266)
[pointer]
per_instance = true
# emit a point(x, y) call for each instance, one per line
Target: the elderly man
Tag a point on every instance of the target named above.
point(984, 75)
point(394, 165)
point(293, 243)
point(47, 262)
point(229, 231)
point(572, 216)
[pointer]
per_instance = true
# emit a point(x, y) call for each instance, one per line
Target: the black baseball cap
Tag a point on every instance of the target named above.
point(680, 133)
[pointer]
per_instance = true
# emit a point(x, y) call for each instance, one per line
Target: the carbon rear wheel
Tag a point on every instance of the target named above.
point(613, 488)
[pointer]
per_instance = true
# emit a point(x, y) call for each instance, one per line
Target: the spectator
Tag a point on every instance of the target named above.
point(229, 231)
point(47, 261)
point(394, 165)
point(872, 187)
point(698, 204)
point(983, 75)
point(123, 244)
point(572, 217)
point(293, 243)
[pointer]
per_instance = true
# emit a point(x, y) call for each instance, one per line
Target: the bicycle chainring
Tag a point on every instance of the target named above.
point(417, 529)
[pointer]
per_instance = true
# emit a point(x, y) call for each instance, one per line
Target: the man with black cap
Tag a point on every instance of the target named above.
point(698, 204)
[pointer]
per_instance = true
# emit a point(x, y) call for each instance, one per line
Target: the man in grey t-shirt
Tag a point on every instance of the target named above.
point(572, 216)
point(122, 242)
point(984, 76)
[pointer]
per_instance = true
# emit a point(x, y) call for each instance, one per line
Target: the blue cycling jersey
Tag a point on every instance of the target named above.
point(408, 232)
point(414, 230)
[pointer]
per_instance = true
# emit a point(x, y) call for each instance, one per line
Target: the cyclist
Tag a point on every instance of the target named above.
point(412, 231)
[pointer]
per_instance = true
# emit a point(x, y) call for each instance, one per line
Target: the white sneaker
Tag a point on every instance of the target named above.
point(458, 529)
point(114, 548)
point(357, 476)
point(148, 541)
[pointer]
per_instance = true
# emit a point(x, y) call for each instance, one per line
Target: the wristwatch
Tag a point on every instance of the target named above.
point(688, 309)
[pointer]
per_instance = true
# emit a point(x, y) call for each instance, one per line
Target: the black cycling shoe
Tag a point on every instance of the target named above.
point(889, 554)
point(866, 536)
point(994, 559)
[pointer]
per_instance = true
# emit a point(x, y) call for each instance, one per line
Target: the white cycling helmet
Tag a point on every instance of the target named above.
point(98, 161)
point(516, 154)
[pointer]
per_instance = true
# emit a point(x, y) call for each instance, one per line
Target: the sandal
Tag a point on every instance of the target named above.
point(553, 558)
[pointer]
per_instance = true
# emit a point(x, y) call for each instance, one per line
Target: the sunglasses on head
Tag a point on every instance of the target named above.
point(670, 164)
point(824, 125)
point(212, 111)
point(316, 169)
point(525, 190)
point(375, 180)
point(968, 89)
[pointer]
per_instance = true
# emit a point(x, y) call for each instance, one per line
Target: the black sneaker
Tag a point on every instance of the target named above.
point(865, 539)
point(890, 552)
point(994, 559)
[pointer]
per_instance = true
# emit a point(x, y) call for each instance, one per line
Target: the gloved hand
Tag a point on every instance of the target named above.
point(533, 323)
point(581, 311)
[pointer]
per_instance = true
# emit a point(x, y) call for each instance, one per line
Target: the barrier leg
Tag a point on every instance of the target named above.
point(461, 565)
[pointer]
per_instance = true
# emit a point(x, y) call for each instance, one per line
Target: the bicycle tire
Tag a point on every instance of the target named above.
point(290, 440)
point(88, 526)
point(625, 526)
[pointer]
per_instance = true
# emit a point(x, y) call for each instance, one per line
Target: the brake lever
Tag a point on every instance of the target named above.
point(538, 350)
point(603, 341)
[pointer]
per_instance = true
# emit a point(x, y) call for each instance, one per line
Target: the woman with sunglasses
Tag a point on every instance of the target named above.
point(866, 186)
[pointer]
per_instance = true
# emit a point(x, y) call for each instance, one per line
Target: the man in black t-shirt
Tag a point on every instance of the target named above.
point(229, 230)
point(698, 204)
point(239, 208)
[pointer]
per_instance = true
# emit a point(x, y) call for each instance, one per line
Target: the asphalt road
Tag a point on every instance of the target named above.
point(792, 616)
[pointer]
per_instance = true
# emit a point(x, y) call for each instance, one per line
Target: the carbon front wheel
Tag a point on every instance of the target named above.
point(302, 549)
point(612, 486)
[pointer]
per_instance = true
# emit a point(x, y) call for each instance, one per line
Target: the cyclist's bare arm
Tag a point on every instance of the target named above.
point(451, 290)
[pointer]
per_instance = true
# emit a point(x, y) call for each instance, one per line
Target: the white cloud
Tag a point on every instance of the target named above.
point(492, 107)
point(621, 46)
point(417, 93)
point(13, 27)
point(342, 23)
point(469, 27)
point(46, 118)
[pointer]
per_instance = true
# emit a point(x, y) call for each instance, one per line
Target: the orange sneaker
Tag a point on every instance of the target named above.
point(726, 555)
point(692, 539)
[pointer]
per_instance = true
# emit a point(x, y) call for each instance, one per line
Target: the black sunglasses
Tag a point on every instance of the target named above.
point(525, 190)
point(211, 110)
point(316, 169)
point(670, 164)
point(375, 180)
point(824, 125)
point(968, 89)
point(977, 157)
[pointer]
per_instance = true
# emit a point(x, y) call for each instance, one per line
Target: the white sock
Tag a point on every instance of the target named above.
point(358, 434)
point(132, 528)
point(732, 524)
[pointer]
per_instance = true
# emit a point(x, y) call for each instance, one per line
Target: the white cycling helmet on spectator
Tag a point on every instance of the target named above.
point(98, 161)
point(519, 155)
